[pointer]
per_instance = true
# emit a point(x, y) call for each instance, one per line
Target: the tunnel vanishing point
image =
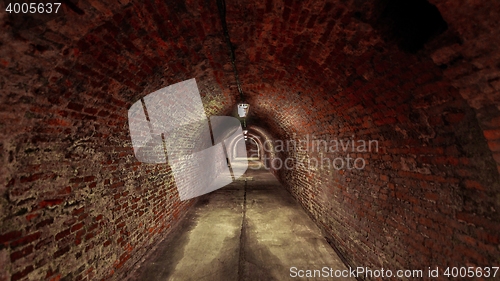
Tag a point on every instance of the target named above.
point(420, 80)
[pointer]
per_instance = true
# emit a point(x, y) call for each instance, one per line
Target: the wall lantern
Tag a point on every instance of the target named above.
point(243, 109)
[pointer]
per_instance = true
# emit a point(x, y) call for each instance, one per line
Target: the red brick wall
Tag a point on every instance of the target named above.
point(430, 196)
point(76, 204)
point(473, 63)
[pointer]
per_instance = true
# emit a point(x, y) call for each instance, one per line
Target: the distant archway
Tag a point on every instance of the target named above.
point(252, 149)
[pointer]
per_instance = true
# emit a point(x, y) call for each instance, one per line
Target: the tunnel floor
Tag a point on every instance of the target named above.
point(244, 231)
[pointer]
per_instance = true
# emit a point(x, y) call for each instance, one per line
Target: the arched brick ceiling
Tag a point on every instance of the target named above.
point(307, 68)
point(311, 45)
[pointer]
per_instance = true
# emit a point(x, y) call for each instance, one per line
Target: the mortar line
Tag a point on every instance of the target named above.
point(242, 234)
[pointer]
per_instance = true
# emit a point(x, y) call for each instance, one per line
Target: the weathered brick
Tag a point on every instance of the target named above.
point(62, 234)
point(21, 253)
point(21, 274)
point(75, 106)
point(7, 237)
point(26, 239)
point(61, 252)
point(76, 227)
point(492, 134)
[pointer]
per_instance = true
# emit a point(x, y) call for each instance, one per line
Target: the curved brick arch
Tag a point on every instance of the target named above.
point(72, 190)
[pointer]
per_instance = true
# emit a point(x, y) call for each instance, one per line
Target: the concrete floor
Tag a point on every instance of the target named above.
point(252, 232)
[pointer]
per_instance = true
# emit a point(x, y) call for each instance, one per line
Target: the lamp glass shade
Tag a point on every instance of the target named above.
point(243, 109)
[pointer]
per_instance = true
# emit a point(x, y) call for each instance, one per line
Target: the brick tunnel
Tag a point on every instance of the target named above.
point(419, 79)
